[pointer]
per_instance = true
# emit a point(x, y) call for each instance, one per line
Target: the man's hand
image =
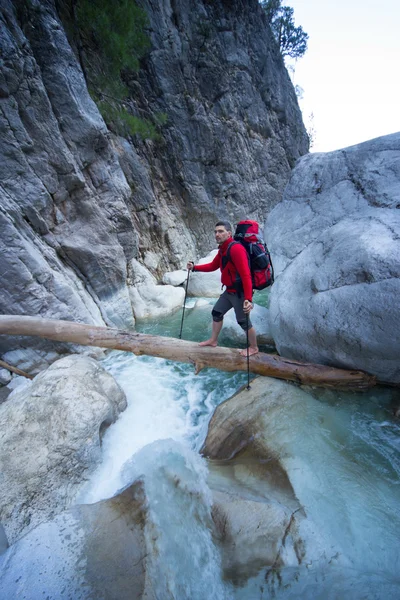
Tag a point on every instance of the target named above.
point(190, 266)
point(247, 306)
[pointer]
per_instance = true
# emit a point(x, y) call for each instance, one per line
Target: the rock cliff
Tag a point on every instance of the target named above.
point(81, 208)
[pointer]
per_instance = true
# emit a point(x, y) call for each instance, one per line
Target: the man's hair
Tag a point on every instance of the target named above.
point(225, 224)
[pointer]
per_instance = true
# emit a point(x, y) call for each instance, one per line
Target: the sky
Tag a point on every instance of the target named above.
point(350, 73)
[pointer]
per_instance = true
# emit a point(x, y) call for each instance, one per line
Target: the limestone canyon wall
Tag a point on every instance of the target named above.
point(81, 208)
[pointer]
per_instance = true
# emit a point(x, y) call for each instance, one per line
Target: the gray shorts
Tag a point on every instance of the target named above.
point(225, 302)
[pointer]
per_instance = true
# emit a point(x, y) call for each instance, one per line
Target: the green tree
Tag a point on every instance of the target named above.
point(292, 40)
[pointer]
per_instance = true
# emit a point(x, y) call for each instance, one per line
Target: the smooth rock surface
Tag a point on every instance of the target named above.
point(88, 551)
point(175, 278)
point(51, 439)
point(149, 299)
point(253, 528)
point(255, 507)
point(206, 285)
point(335, 241)
point(5, 376)
point(3, 540)
point(260, 320)
point(258, 443)
point(132, 546)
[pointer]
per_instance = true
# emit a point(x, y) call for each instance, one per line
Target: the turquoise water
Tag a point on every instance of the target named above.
point(340, 450)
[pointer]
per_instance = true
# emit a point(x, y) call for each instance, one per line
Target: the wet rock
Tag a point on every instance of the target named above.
point(178, 528)
point(51, 439)
point(4, 393)
point(290, 447)
point(89, 551)
point(255, 531)
point(5, 376)
point(260, 320)
point(132, 546)
point(255, 508)
point(335, 242)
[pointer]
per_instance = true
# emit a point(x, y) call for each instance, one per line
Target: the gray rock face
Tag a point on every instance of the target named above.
point(63, 216)
point(62, 205)
point(78, 204)
point(51, 436)
point(335, 244)
point(234, 128)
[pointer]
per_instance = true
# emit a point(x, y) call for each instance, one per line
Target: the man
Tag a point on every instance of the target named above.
point(239, 297)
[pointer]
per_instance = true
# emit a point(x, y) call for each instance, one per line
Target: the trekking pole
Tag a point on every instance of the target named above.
point(184, 303)
point(248, 359)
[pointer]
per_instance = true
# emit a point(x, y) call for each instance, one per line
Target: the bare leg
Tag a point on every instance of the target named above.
point(213, 341)
point(253, 348)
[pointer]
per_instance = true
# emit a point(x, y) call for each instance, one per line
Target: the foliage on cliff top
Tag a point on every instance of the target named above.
point(292, 40)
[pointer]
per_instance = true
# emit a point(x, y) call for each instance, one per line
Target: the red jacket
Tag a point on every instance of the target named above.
point(239, 264)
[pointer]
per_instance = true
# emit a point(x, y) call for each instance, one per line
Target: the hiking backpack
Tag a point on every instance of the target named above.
point(262, 271)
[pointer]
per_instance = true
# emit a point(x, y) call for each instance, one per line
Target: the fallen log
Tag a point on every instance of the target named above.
point(225, 359)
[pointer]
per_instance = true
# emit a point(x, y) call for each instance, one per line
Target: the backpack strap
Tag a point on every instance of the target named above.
point(227, 258)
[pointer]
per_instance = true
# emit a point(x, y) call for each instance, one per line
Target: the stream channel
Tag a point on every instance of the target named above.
point(341, 452)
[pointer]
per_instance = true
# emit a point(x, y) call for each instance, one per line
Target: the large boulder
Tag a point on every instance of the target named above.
point(149, 299)
point(252, 527)
point(299, 481)
point(254, 504)
point(260, 320)
point(51, 439)
point(88, 551)
point(130, 547)
point(207, 285)
point(175, 278)
point(335, 239)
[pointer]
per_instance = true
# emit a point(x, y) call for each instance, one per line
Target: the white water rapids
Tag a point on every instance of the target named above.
point(340, 451)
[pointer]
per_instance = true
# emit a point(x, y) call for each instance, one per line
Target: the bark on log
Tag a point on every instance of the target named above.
point(225, 359)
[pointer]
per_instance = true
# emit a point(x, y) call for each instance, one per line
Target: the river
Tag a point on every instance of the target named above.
point(343, 461)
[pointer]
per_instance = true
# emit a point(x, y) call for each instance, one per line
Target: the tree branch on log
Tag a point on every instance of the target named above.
point(5, 365)
point(225, 359)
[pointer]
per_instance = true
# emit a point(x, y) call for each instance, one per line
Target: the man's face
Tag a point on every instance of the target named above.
point(221, 234)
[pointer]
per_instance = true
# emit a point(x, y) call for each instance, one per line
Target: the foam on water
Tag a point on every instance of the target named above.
point(341, 453)
point(165, 400)
point(182, 560)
